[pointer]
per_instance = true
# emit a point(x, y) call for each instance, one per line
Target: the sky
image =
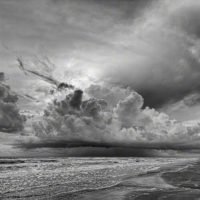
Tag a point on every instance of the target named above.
point(141, 57)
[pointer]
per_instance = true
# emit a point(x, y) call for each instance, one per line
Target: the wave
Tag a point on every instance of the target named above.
point(187, 177)
point(184, 182)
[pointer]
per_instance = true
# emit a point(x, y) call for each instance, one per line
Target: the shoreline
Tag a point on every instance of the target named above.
point(150, 185)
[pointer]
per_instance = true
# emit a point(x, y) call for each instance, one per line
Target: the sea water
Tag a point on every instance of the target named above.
point(100, 178)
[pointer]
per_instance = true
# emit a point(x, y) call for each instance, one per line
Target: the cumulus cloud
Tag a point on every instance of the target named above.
point(129, 110)
point(10, 119)
point(94, 122)
point(111, 94)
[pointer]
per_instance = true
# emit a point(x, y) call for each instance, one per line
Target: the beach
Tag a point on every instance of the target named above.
point(100, 178)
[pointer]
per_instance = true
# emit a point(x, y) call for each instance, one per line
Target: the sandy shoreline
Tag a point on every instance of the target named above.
point(115, 179)
point(150, 186)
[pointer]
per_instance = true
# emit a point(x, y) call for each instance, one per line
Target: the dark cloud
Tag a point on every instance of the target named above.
point(152, 52)
point(190, 13)
point(164, 64)
point(76, 99)
point(88, 151)
point(163, 79)
point(128, 147)
point(65, 85)
point(10, 119)
point(2, 77)
point(6, 95)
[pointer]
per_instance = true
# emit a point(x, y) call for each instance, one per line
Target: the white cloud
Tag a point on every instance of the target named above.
point(125, 124)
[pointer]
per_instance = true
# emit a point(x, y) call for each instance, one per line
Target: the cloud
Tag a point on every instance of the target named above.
point(10, 119)
point(187, 108)
point(162, 61)
point(192, 100)
point(76, 99)
point(111, 94)
point(93, 107)
point(2, 77)
point(96, 123)
point(144, 54)
point(149, 46)
point(129, 110)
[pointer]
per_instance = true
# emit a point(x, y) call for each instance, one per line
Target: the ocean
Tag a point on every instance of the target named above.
point(100, 178)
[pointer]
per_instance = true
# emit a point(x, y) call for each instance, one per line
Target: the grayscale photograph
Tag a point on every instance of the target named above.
point(100, 99)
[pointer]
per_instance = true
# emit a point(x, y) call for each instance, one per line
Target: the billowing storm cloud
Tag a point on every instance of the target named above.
point(124, 70)
point(163, 65)
point(151, 46)
point(80, 120)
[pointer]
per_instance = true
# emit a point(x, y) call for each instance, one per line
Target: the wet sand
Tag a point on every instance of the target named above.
point(100, 179)
point(167, 184)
